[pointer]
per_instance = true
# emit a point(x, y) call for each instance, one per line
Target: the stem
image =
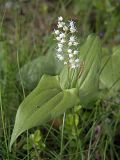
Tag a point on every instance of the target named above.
point(18, 63)
point(23, 90)
point(36, 152)
point(3, 125)
point(77, 137)
point(1, 106)
point(105, 150)
point(62, 137)
point(92, 132)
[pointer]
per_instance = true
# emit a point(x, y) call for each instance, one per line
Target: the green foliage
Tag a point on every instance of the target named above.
point(104, 5)
point(24, 29)
point(71, 123)
point(35, 141)
point(110, 75)
point(33, 70)
point(3, 59)
point(45, 102)
point(88, 83)
point(55, 94)
point(80, 6)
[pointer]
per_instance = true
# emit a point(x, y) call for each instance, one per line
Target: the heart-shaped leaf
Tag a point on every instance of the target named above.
point(45, 102)
point(33, 70)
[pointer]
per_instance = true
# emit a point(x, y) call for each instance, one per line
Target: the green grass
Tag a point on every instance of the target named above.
point(24, 35)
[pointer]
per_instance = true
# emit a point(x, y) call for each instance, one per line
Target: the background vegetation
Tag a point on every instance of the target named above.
point(25, 34)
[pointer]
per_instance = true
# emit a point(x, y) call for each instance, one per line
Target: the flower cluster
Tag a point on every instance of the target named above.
point(67, 43)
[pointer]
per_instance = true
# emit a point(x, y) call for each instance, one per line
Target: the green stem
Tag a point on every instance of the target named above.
point(23, 90)
point(62, 136)
point(3, 125)
point(92, 132)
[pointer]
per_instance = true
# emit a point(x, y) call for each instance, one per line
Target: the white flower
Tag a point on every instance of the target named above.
point(75, 43)
point(60, 25)
point(58, 38)
point(65, 63)
point(72, 39)
point(70, 44)
point(71, 60)
point(65, 28)
point(60, 45)
point(72, 23)
point(72, 27)
point(62, 35)
point(72, 30)
point(70, 55)
point(77, 60)
point(73, 66)
point(60, 18)
point(75, 52)
point(56, 32)
point(60, 57)
point(62, 41)
point(59, 49)
point(69, 50)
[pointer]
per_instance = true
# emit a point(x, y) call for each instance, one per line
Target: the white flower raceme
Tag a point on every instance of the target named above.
point(67, 43)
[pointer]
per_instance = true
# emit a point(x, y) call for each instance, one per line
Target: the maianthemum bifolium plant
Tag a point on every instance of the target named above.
point(87, 75)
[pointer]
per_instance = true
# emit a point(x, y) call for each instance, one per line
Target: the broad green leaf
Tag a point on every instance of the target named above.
point(45, 102)
point(110, 75)
point(90, 54)
point(33, 70)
